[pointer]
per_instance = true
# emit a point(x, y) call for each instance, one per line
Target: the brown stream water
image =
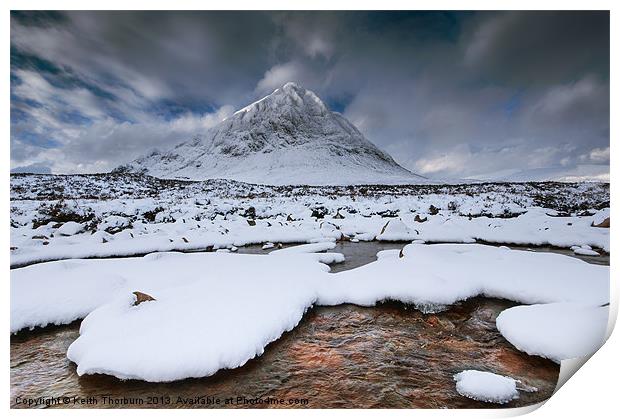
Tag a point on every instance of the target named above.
point(388, 356)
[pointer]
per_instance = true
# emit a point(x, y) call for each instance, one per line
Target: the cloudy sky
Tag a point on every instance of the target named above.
point(466, 94)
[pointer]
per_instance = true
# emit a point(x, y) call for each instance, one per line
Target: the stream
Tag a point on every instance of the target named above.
point(388, 356)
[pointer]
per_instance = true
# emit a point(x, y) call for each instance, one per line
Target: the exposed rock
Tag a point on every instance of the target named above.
point(141, 298)
point(602, 224)
point(419, 219)
point(319, 212)
point(388, 213)
point(344, 238)
point(554, 213)
point(384, 227)
point(250, 212)
point(150, 215)
point(114, 224)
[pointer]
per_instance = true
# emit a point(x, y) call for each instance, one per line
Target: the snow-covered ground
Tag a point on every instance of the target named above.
point(215, 310)
point(59, 217)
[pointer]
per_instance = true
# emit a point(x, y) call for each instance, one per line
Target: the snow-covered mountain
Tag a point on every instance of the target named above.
point(576, 173)
point(288, 137)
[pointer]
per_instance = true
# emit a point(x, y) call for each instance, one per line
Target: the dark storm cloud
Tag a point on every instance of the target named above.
point(212, 56)
point(538, 47)
point(448, 94)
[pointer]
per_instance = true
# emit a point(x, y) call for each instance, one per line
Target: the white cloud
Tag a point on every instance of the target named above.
point(106, 143)
point(571, 97)
point(452, 162)
point(600, 155)
point(280, 74)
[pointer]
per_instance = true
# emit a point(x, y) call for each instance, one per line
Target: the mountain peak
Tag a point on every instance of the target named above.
point(287, 137)
point(285, 97)
point(291, 85)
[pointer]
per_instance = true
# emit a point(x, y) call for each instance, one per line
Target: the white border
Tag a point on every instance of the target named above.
point(593, 391)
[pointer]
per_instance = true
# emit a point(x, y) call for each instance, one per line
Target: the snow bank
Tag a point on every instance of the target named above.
point(555, 331)
point(486, 386)
point(443, 274)
point(328, 258)
point(314, 250)
point(585, 251)
point(305, 248)
point(209, 319)
point(61, 292)
point(222, 309)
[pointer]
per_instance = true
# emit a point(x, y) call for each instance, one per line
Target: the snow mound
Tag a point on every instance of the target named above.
point(390, 253)
point(601, 216)
point(328, 257)
point(486, 386)
point(555, 331)
point(395, 230)
point(305, 248)
point(220, 318)
point(114, 222)
point(585, 251)
point(70, 228)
